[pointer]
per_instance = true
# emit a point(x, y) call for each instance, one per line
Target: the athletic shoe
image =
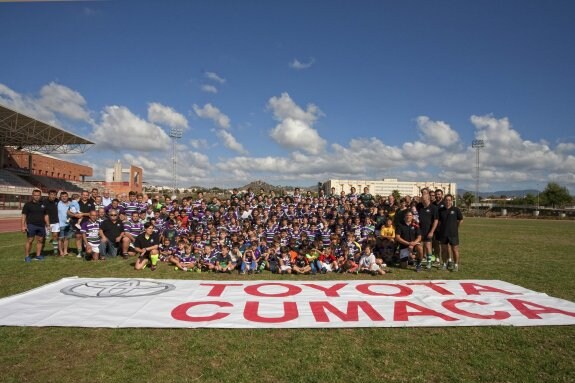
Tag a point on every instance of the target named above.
point(153, 268)
point(418, 267)
point(28, 259)
point(79, 255)
point(183, 268)
point(455, 267)
point(77, 226)
point(450, 265)
point(125, 255)
point(444, 267)
point(428, 265)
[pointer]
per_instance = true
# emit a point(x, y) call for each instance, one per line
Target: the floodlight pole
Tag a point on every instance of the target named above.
point(175, 134)
point(477, 145)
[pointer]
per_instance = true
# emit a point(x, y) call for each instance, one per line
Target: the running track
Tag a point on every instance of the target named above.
point(9, 225)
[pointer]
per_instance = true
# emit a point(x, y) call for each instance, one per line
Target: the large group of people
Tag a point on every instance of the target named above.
point(299, 233)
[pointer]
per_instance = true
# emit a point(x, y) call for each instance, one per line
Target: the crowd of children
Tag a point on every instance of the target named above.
point(292, 234)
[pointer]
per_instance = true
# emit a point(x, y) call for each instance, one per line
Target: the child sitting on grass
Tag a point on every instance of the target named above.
point(367, 263)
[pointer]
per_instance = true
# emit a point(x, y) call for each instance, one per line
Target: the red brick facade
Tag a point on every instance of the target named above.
point(134, 184)
point(45, 166)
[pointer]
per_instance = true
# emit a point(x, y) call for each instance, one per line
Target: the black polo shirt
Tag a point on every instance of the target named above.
point(142, 242)
point(407, 233)
point(86, 207)
point(449, 222)
point(112, 230)
point(52, 210)
point(426, 217)
point(35, 212)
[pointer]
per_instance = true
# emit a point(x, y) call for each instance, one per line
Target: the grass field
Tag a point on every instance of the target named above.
point(537, 255)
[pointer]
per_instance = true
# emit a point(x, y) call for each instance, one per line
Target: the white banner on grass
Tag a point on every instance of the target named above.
point(114, 302)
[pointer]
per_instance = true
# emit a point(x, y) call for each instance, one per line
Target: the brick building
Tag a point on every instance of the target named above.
point(44, 165)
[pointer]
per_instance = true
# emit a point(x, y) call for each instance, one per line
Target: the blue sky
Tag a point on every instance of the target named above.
point(299, 92)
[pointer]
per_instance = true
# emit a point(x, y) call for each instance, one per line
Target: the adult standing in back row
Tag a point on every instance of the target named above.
point(34, 222)
point(450, 219)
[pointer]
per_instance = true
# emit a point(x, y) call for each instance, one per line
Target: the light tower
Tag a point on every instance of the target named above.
point(477, 145)
point(175, 134)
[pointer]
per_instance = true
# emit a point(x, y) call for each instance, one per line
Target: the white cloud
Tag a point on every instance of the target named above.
point(90, 11)
point(296, 64)
point(198, 143)
point(566, 147)
point(215, 77)
point(161, 114)
point(284, 107)
point(65, 101)
point(505, 149)
point(421, 153)
point(209, 89)
point(507, 159)
point(211, 112)
point(230, 141)
point(437, 132)
point(26, 105)
point(296, 134)
point(192, 167)
point(119, 128)
point(295, 129)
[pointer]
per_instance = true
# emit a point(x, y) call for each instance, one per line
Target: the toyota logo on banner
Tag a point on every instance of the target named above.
point(117, 288)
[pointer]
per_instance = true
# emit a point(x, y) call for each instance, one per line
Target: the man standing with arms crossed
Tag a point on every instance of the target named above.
point(34, 223)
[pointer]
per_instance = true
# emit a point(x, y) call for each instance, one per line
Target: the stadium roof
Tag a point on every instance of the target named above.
point(24, 132)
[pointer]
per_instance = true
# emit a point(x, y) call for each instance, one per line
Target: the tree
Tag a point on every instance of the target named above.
point(530, 199)
point(556, 195)
point(396, 195)
point(468, 199)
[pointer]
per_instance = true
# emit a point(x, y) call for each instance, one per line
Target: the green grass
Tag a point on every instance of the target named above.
point(537, 255)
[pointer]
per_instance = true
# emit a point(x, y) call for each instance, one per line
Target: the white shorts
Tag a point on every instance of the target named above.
point(54, 228)
point(95, 247)
point(285, 268)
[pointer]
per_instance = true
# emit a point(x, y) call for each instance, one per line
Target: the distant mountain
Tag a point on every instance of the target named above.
point(256, 186)
point(499, 193)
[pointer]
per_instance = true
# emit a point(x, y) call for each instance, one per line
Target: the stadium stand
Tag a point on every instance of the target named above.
point(46, 183)
point(89, 185)
point(9, 179)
